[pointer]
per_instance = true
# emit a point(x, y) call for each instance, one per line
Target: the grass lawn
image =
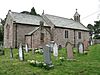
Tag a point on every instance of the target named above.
point(83, 65)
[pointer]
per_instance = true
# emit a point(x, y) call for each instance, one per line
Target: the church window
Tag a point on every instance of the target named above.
point(42, 37)
point(66, 34)
point(79, 35)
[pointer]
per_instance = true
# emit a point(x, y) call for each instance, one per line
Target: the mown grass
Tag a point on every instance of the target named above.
point(83, 65)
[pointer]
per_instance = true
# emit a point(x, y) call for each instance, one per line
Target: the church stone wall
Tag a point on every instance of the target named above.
point(8, 34)
point(59, 36)
point(36, 42)
point(21, 31)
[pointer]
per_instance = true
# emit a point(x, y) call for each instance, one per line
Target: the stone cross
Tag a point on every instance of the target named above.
point(26, 48)
point(81, 48)
point(47, 54)
point(21, 53)
point(70, 55)
point(55, 50)
point(11, 52)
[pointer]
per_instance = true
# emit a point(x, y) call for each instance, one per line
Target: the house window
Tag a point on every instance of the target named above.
point(79, 35)
point(8, 30)
point(66, 34)
point(42, 37)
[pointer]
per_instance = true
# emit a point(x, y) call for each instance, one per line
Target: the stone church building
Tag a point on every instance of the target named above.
point(39, 30)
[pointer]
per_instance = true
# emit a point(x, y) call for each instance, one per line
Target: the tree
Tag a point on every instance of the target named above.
point(91, 29)
point(2, 29)
point(25, 12)
point(1, 33)
point(95, 29)
point(33, 12)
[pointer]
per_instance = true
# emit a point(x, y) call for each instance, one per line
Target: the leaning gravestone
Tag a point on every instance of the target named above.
point(11, 52)
point(26, 48)
point(21, 53)
point(70, 55)
point(55, 50)
point(47, 54)
point(81, 48)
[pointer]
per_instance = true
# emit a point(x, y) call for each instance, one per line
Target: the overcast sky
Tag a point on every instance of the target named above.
point(88, 9)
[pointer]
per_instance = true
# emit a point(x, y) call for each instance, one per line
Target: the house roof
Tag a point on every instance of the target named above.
point(65, 22)
point(26, 18)
point(56, 20)
point(30, 33)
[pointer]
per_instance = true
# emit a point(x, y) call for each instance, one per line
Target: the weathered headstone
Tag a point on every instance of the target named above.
point(1, 49)
point(70, 55)
point(26, 48)
point(11, 52)
point(81, 48)
point(21, 53)
point(85, 44)
point(47, 54)
point(55, 50)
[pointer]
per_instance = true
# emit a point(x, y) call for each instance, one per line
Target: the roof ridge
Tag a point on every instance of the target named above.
point(24, 14)
point(58, 16)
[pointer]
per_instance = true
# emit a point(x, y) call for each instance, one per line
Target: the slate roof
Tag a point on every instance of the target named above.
point(36, 28)
point(57, 21)
point(65, 22)
point(26, 18)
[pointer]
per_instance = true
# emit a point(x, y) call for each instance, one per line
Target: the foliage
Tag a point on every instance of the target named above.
point(32, 12)
point(84, 65)
point(25, 12)
point(1, 33)
point(95, 29)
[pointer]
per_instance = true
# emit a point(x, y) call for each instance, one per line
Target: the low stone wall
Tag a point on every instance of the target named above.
point(96, 41)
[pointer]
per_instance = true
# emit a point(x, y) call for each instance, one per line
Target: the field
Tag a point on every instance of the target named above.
point(85, 64)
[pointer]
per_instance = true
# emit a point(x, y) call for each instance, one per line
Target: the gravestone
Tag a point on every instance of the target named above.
point(55, 50)
point(21, 53)
point(26, 48)
point(11, 52)
point(47, 54)
point(85, 44)
point(81, 48)
point(70, 55)
point(1, 49)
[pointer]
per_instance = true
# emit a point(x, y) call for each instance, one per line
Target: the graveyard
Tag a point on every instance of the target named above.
point(87, 63)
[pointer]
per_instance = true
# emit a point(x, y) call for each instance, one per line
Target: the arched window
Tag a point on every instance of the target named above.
point(8, 30)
